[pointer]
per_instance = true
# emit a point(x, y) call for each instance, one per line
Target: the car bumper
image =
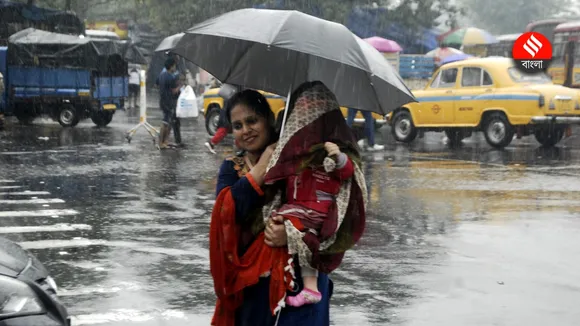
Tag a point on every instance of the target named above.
point(555, 120)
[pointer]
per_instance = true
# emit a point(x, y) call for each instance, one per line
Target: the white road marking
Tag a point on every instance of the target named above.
point(44, 212)
point(44, 228)
point(25, 193)
point(31, 201)
point(10, 187)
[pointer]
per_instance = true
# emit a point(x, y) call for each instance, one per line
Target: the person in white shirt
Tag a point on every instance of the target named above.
point(134, 88)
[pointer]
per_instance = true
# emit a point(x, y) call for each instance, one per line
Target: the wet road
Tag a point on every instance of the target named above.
point(456, 236)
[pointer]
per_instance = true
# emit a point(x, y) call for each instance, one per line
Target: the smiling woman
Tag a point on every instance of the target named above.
point(248, 254)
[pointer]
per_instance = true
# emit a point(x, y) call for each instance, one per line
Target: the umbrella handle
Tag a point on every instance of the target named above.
point(286, 110)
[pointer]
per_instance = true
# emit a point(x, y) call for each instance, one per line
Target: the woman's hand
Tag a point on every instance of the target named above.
point(332, 149)
point(267, 155)
point(276, 232)
point(258, 172)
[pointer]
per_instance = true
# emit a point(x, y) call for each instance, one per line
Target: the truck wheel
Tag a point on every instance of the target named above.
point(102, 119)
point(211, 120)
point(403, 128)
point(68, 116)
point(549, 137)
point(498, 130)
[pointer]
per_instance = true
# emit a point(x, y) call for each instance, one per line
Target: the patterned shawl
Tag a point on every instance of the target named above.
point(316, 118)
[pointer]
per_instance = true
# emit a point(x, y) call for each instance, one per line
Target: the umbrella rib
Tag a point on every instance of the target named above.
point(282, 23)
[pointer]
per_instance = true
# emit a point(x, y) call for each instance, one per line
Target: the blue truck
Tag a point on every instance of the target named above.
point(66, 77)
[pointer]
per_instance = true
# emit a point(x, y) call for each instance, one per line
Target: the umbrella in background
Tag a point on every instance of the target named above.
point(442, 53)
point(384, 45)
point(277, 50)
point(469, 36)
point(455, 57)
point(169, 43)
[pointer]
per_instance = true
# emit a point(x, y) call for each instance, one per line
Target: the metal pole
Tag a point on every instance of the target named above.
point(154, 133)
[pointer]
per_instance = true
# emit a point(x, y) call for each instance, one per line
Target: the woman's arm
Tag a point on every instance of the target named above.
point(246, 192)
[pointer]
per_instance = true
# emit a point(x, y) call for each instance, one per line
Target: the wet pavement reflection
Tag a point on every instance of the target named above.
point(463, 235)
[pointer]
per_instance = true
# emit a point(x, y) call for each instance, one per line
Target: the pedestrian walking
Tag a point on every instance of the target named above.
point(168, 94)
point(223, 129)
point(176, 122)
point(223, 125)
point(369, 129)
point(134, 88)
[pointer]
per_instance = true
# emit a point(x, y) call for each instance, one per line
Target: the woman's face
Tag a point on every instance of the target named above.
point(249, 129)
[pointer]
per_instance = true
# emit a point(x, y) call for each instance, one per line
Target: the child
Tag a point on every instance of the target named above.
point(320, 192)
point(310, 196)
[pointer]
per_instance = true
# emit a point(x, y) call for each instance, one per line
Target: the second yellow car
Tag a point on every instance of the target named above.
point(489, 95)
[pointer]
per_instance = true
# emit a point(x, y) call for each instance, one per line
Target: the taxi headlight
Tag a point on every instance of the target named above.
point(17, 298)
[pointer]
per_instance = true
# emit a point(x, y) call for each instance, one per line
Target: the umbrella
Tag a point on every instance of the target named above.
point(455, 57)
point(169, 42)
point(384, 45)
point(277, 50)
point(441, 53)
point(469, 36)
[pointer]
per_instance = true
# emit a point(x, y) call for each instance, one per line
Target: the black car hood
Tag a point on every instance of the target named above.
point(14, 261)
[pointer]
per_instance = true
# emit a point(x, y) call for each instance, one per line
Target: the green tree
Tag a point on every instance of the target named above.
point(512, 16)
point(173, 16)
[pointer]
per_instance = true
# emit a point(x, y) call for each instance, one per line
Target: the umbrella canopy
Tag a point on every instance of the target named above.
point(169, 42)
point(455, 57)
point(469, 36)
point(277, 50)
point(441, 53)
point(384, 45)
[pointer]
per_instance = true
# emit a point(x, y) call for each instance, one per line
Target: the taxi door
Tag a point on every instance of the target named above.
point(473, 96)
point(436, 107)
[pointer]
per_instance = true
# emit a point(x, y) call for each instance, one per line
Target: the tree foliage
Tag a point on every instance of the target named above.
point(512, 16)
point(174, 16)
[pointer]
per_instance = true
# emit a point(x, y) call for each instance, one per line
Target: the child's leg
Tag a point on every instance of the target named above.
point(310, 278)
point(220, 134)
point(310, 294)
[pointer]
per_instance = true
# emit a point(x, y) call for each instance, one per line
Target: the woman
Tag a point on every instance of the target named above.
point(238, 228)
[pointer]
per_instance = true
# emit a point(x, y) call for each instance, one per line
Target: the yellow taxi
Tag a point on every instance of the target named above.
point(489, 95)
point(213, 103)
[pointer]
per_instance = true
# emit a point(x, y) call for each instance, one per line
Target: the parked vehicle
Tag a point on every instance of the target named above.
point(489, 95)
point(213, 103)
point(28, 295)
point(66, 77)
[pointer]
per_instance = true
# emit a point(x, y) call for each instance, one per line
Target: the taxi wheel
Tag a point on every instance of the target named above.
point(498, 131)
point(211, 120)
point(403, 128)
point(549, 137)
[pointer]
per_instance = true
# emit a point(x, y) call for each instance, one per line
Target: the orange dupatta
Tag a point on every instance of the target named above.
point(231, 273)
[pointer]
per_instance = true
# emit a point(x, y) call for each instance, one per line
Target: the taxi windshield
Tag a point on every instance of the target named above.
point(519, 76)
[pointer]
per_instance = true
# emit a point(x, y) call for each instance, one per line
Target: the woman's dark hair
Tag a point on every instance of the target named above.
point(257, 102)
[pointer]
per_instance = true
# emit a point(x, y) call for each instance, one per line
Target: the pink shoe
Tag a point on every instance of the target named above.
point(306, 296)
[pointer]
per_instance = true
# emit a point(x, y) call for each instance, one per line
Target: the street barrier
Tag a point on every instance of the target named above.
point(412, 66)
